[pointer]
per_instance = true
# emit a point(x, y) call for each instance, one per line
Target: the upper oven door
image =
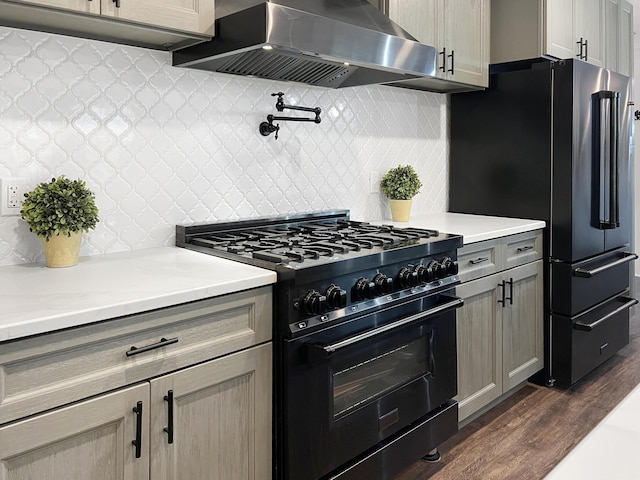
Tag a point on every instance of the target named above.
point(350, 386)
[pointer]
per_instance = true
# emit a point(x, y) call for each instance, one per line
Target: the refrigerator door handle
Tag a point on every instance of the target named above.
point(587, 327)
point(588, 273)
point(609, 195)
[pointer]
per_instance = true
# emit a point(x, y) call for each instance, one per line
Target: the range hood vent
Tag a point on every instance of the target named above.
point(327, 43)
point(260, 63)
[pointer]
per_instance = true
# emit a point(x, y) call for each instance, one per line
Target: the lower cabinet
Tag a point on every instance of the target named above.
point(218, 424)
point(500, 334)
point(212, 420)
point(90, 440)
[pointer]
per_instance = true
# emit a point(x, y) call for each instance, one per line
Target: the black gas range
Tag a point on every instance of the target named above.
point(364, 338)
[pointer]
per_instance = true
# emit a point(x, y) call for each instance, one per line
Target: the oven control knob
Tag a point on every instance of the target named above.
point(422, 272)
point(336, 297)
point(384, 284)
point(449, 267)
point(408, 278)
point(364, 289)
point(434, 271)
point(313, 303)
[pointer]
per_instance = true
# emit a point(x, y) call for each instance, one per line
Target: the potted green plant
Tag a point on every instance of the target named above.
point(57, 212)
point(400, 185)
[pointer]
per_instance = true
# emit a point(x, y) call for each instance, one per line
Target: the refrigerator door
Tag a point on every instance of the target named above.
point(590, 150)
point(617, 171)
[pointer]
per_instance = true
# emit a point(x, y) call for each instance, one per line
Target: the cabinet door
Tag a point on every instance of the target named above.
point(589, 26)
point(195, 16)
point(465, 35)
point(90, 440)
point(417, 17)
point(522, 324)
point(619, 36)
point(559, 36)
point(221, 413)
point(479, 342)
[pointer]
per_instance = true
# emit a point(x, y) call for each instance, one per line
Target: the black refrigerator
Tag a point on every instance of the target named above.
point(553, 141)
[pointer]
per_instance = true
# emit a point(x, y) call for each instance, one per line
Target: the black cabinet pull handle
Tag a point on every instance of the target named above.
point(162, 343)
point(117, 2)
point(479, 260)
point(524, 249)
point(586, 50)
point(138, 441)
point(169, 428)
point(510, 297)
point(451, 56)
point(444, 60)
point(579, 54)
point(502, 285)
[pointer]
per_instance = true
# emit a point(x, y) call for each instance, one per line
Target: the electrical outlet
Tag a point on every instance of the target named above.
point(374, 182)
point(11, 194)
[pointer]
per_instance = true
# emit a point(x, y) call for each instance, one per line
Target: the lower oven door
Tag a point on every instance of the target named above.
point(583, 342)
point(350, 387)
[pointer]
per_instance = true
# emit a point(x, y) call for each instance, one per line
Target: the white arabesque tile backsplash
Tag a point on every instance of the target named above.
point(162, 145)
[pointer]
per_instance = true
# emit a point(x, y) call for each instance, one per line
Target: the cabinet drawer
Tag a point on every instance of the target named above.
point(522, 248)
point(39, 373)
point(478, 260)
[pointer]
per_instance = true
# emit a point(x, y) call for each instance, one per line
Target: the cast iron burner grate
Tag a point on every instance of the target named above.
point(315, 240)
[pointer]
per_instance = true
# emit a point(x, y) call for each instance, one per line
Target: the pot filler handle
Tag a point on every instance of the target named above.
point(454, 302)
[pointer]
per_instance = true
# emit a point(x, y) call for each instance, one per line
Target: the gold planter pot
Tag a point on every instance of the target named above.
point(400, 210)
point(61, 250)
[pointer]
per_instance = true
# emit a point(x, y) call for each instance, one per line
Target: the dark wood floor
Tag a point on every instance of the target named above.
point(525, 436)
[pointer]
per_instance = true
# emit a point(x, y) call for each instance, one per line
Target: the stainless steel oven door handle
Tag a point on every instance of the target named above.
point(588, 273)
point(455, 302)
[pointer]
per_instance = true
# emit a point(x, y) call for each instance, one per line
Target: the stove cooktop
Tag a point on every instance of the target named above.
point(304, 241)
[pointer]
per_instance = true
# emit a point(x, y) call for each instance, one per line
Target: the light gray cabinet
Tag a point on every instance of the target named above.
point(191, 384)
point(597, 31)
point(619, 36)
point(459, 29)
point(500, 325)
point(523, 29)
point(90, 440)
point(160, 24)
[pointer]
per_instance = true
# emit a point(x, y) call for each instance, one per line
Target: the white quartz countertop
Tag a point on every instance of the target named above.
point(473, 228)
point(35, 299)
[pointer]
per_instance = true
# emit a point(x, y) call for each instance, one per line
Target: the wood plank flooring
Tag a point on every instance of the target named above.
point(525, 436)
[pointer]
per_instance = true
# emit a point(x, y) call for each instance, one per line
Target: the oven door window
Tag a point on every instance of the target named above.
point(365, 381)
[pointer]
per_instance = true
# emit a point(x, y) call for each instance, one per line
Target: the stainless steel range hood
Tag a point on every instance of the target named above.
point(328, 43)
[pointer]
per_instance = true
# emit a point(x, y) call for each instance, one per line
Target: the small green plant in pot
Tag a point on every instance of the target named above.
point(58, 212)
point(400, 185)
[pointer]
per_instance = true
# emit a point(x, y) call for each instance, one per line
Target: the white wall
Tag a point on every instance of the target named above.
point(161, 145)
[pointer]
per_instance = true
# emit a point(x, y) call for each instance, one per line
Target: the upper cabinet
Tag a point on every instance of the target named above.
point(596, 31)
point(459, 29)
point(160, 24)
point(618, 15)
